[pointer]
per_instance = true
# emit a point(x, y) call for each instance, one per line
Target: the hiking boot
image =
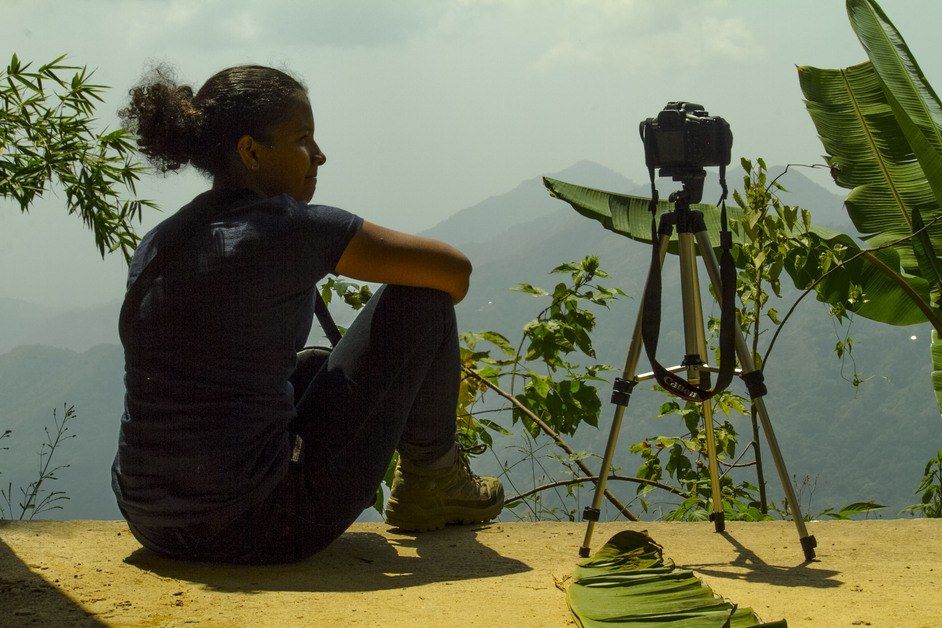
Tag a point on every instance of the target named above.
point(426, 498)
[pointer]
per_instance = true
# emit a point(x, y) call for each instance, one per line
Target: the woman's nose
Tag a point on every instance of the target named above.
point(319, 157)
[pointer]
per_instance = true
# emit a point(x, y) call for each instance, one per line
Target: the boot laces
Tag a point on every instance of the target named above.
point(463, 454)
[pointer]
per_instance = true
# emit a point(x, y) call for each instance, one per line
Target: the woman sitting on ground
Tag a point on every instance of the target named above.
point(233, 446)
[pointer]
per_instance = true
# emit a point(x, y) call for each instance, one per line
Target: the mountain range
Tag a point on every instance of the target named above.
point(841, 445)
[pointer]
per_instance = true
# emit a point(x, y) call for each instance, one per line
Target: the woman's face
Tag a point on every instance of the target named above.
point(288, 164)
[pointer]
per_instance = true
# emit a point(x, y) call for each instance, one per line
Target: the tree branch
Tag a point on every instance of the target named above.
point(594, 478)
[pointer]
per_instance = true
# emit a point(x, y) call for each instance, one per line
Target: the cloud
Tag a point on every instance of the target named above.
point(328, 23)
point(640, 37)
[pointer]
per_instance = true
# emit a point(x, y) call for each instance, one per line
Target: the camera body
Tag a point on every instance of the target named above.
point(684, 136)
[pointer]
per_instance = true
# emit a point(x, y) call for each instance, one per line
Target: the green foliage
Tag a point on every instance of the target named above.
point(36, 499)
point(935, 351)
point(772, 233)
point(686, 463)
point(561, 394)
point(47, 137)
point(354, 295)
point(845, 513)
point(931, 489)
point(548, 392)
point(881, 124)
point(805, 490)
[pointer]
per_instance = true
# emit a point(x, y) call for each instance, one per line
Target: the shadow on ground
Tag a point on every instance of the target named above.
point(357, 561)
point(749, 567)
point(20, 589)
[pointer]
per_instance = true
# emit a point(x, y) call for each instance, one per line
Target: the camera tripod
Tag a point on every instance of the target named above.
point(691, 230)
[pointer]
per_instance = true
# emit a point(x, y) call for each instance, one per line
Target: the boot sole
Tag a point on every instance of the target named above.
point(420, 520)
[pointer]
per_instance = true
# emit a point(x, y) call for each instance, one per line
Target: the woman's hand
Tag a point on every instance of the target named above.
point(381, 255)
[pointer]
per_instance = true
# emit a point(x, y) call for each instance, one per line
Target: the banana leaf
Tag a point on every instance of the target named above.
point(628, 582)
point(904, 298)
point(936, 374)
point(914, 103)
point(881, 125)
point(628, 215)
point(868, 154)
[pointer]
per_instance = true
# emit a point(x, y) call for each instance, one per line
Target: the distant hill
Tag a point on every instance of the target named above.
point(37, 380)
point(872, 446)
point(528, 202)
point(79, 330)
point(19, 320)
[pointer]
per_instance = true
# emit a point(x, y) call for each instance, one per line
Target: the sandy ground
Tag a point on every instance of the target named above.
point(93, 573)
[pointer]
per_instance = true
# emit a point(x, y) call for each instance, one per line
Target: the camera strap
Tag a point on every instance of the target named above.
point(651, 308)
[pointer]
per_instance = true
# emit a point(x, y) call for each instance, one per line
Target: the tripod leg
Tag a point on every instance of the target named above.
point(718, 517)
point(620, 398)
point(695, 338)
point(808, 543)
point(591, 514)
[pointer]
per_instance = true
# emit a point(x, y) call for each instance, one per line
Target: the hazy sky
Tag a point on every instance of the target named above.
point(425, 107)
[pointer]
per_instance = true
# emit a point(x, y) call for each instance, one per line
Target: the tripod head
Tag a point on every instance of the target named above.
point(691, 177)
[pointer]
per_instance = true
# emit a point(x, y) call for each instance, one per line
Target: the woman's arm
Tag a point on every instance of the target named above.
point(381, 255)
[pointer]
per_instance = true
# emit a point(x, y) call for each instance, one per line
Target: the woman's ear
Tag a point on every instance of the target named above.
point(248, 152)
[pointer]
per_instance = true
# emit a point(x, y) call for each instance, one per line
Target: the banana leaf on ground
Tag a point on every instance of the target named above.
point(628, 582)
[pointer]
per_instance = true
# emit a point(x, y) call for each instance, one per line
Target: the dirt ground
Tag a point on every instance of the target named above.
point(93, 573)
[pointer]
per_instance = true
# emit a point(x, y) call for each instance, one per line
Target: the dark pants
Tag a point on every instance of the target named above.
point(390, 383)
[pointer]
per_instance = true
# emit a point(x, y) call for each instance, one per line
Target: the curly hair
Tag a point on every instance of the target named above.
point(174, 127)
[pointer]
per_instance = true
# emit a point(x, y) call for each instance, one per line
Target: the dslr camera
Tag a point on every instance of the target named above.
point(685, 138)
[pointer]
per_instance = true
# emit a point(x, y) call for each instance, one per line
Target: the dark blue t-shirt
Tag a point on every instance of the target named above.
point(204, 432)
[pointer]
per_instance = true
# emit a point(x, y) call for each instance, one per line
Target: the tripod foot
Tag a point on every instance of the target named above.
point(808, 544)
point(719, 521)
point(584, 551)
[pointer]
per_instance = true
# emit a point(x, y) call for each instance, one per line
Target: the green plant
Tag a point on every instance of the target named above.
point(560, 394)
point(879, 123)
point(353, 294)
point(805, 491)
point(538, 382)
point(35, 498)
point(47, 137)
point(686, 463)
point(931, 489)
point(771, 232)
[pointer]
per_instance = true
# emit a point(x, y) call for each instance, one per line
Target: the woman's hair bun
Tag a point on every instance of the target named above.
point(162, 116)
point(174, 127)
